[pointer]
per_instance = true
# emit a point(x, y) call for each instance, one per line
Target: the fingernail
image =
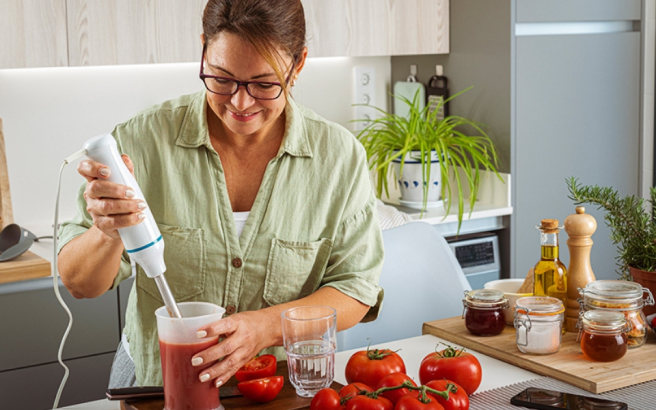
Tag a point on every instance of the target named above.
point(141, 216)
point(204, 377)
point(201, 334)
point(219, 383)
point(142, 205)
point(104, 172)
point(196, 361)
point(129, 193)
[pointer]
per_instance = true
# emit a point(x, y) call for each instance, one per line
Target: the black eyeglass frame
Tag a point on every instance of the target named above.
point(203, 76)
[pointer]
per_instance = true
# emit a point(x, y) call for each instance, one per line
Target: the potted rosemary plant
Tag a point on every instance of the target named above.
point(633, 229)
point(436, 147)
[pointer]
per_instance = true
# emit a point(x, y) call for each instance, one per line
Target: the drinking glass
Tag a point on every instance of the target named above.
point(178, 343)
point(310, 340)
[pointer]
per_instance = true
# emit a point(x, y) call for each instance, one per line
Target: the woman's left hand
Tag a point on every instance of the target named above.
point(246, 334)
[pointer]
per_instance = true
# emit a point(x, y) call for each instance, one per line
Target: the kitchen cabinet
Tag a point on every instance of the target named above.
point(49, 33)
point(34, 324)
point(133, 31)
point(376, 27)
point(33, 33)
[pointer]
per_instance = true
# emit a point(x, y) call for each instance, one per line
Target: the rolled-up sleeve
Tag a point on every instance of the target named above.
point(357, 259)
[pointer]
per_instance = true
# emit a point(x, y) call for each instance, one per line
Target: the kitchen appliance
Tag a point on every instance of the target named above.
point(143, 242)
point(478, 255)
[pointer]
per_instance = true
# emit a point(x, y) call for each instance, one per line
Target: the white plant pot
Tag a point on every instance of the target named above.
point(411, 182)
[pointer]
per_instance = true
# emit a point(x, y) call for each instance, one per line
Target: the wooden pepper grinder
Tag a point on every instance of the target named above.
point(579, 227)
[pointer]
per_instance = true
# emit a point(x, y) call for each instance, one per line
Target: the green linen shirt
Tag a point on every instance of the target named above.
point(313, 223)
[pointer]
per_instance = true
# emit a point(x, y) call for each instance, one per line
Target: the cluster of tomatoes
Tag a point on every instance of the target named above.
point(377, 380)
point(257, 380)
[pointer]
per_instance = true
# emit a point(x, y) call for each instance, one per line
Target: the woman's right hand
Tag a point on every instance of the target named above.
point(110, 205)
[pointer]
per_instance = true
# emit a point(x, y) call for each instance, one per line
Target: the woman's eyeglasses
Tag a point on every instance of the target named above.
point(260, 90)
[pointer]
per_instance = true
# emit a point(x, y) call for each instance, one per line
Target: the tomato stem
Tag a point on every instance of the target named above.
point(450, 351)
point(422, 389)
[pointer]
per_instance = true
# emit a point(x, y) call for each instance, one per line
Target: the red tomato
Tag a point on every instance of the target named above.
point(458, 399)
point(457, 365)
point(369, 366)
point(257, 368)
point(395, 379)
point(261, 390)
point(353, 389)
point(653, 322)
point(326, 399)
point(413, 403)
point(361, 402)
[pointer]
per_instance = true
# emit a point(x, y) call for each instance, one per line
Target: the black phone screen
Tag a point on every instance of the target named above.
point(536, 398)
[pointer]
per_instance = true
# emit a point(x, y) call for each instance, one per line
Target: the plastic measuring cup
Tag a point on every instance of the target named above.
point(178, 344)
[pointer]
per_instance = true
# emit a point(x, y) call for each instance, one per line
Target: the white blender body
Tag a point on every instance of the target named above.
point(143, 242)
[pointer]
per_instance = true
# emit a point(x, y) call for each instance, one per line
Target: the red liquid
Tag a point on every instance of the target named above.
point(182, 388)
point(481, 322)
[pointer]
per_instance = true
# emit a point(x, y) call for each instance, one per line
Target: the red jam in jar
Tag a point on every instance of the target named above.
point(604, 335)
point(483, 312)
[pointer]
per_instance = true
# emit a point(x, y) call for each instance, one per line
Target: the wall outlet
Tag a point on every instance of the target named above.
point(364, 92)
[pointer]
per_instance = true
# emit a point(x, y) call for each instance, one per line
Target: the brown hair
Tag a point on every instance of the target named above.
point(269, 25)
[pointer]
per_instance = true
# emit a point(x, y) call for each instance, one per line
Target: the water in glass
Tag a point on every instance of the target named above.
point(311, 366)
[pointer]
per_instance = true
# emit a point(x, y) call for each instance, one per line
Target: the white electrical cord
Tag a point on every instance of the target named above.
point(55, 275)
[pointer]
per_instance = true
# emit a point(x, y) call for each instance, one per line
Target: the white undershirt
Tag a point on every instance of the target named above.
point(240, 221)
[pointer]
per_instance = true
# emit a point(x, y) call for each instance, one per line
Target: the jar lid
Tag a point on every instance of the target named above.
point(603, 319)
point(614, 289)
point(486, 298)
point(539, 305)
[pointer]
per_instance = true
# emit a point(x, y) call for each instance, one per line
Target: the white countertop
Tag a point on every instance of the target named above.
point(495, 372)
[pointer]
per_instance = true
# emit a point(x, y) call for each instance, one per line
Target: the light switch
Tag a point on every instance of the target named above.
point(364, 92)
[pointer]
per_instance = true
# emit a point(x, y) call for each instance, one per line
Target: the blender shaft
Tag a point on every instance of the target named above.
point(167, 296)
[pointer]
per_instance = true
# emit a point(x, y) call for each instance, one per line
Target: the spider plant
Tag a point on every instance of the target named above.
point(391, 137)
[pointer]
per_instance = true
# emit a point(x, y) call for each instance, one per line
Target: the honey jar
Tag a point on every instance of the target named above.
point(483, 311)
point(539, 324)
point(602, 334)
point(621, 296)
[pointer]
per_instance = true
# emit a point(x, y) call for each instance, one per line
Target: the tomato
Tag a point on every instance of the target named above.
point(457, 365)
point(261, 390)
point(326, 399)
point(653, 322)
point(362, 402)
point(369, 366)
point(258, 368)
point(458, 399)
point(353, 389)
point(396, 379)
point(413, 403)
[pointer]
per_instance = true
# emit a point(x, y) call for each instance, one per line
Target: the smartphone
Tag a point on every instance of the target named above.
point(535, 398)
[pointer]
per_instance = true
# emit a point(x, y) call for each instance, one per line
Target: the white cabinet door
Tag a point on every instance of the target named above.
point(33, 33)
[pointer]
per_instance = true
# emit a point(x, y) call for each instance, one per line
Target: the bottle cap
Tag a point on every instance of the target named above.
point(549, 225)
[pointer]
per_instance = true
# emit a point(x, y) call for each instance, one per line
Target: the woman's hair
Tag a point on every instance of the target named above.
point(270, 26)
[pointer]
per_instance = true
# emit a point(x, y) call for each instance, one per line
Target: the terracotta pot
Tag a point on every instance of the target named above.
point(647, 280)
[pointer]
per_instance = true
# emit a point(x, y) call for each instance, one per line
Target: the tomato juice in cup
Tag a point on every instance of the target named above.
point(178, 344)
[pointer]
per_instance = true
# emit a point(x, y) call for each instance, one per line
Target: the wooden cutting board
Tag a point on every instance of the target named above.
point(286, 400)
point(568, 365)
point(26, 266)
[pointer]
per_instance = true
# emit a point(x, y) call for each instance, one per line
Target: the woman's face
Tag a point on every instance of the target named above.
point(227, 55)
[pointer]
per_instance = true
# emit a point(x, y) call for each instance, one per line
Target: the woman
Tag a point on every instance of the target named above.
point(262, 204)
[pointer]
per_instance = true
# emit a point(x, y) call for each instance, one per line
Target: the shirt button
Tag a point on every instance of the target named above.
point(236, 263)
point(230, 309)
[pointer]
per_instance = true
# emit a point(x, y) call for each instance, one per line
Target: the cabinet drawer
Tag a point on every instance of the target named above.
point(36, 387)
point(531, 11)
point(35, 323)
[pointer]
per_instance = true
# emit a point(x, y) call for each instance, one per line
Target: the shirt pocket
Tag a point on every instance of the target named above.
point(184, 256)
point(295, 269)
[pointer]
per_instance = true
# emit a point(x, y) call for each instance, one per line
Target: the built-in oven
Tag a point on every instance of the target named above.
point(478, 255)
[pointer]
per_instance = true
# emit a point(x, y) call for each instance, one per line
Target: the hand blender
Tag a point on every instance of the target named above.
point(143, 241)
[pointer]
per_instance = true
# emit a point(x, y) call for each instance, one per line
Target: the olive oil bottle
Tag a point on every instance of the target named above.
point(550, 274)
